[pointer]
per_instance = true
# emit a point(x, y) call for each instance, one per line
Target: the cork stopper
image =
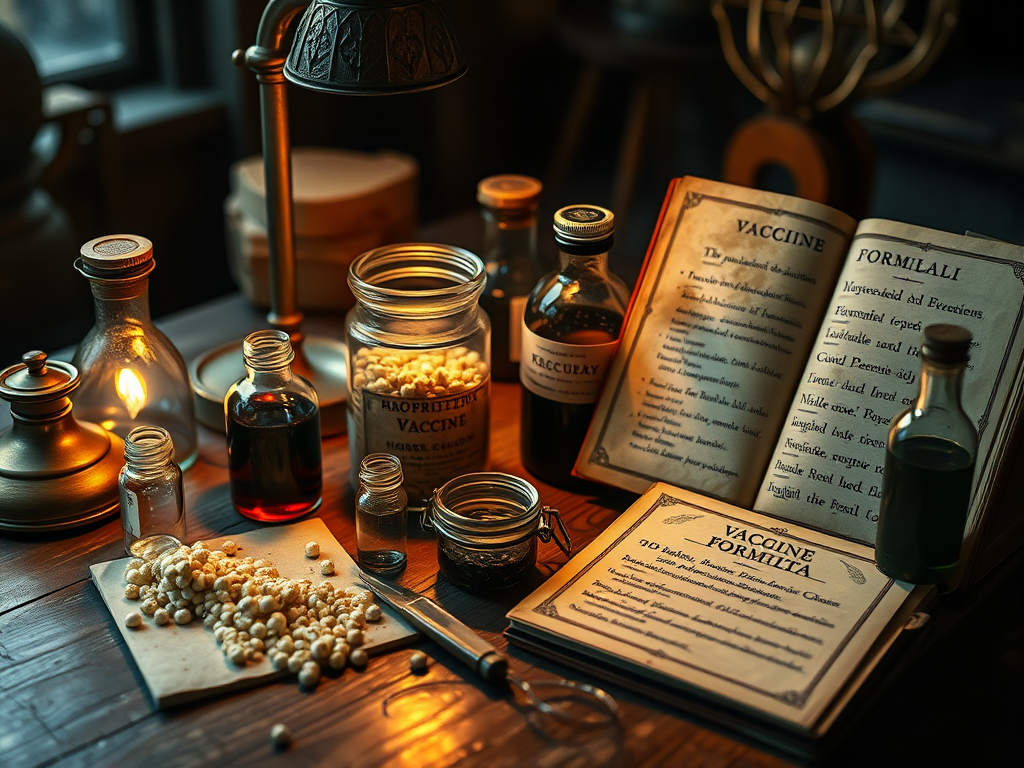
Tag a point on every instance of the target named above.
point(116, 252)
point(508, 192)
point(944, 343)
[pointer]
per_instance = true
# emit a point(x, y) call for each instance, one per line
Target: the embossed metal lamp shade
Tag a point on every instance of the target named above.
point(359, 47)
point(373, 48)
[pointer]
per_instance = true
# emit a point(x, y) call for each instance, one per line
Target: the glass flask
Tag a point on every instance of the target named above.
point(132, 375)
point(571, 328)
point(152, 496)
point(272, 420)
point(508, 206)
point(419, 363)
point(929, 468)
point(381, 515)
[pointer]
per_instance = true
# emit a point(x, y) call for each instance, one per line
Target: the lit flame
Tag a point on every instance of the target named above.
point(132, 391)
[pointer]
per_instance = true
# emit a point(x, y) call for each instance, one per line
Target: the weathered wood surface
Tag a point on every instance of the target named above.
point(69, 694)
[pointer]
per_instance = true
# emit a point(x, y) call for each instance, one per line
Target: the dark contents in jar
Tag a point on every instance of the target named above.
point(485, 570)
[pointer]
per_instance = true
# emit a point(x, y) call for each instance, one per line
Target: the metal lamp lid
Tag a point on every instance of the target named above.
point(37, 379)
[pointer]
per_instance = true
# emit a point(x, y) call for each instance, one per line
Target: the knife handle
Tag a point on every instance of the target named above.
point(458, 639)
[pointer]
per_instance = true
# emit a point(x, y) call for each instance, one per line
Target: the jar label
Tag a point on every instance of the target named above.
point(516, 307)
point(565, 373)
point(130, 513)
point(435, 438)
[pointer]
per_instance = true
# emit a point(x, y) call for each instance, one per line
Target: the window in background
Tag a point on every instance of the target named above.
point(73, 40)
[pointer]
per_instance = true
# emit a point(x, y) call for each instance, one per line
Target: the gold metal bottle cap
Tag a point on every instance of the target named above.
point(508, 191)
point(117, 251)
point(583, 223)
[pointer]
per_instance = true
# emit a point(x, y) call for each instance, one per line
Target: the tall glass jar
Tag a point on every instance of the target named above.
point(132, 375)
point(929, 468)
point(152, 496)
point(419, 363)
point(272, 419)
point(508, 206)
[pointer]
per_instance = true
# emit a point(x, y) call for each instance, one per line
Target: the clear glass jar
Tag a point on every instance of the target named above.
point(508, 206)
point(419, 363)
point(152, 494)
point(272, 419)
point(571, 328)
point(929, 468)
point(488, 525)
point(381, 515)
point(132, 375)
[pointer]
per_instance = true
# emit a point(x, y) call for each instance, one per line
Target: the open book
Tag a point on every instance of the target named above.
point(764, 628)
point(770, 342)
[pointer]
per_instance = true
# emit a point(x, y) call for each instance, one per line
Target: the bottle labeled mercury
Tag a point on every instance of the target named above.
point(273, 428)
point(929, 468)
point(571, 327)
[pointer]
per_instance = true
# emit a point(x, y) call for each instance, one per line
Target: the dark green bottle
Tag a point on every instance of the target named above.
point(929, 468)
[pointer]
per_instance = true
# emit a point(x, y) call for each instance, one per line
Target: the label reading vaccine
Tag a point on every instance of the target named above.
point(435, 438)
point(565, 373)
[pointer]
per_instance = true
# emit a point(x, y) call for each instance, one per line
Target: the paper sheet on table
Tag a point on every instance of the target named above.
point(184, 663)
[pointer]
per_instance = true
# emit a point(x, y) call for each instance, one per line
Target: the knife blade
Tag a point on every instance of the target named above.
point(435, 622)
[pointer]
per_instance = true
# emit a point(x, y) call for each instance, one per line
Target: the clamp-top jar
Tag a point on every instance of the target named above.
point(419, 363)
point(487, 526)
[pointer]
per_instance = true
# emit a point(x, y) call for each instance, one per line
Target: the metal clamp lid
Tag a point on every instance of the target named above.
point(546, 533)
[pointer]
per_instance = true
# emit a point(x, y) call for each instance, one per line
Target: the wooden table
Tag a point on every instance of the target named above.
point(72, 696)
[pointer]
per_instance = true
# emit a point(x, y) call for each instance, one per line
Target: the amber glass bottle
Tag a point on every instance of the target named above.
point(571, 327)
point(508, 206)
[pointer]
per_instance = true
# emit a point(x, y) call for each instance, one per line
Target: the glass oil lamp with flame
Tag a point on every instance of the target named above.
point(132, 375)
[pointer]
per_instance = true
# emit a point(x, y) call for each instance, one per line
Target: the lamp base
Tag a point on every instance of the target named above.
point(320, 360)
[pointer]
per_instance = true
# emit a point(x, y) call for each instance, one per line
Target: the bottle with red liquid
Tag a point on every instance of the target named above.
point(273, 429)
point(571, 327)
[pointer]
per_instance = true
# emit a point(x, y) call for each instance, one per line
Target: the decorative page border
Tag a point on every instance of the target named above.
point(791, 698)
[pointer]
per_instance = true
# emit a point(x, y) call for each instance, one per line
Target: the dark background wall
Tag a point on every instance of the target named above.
point(949, 149)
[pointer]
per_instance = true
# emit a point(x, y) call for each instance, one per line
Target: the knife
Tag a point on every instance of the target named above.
point(439, 625)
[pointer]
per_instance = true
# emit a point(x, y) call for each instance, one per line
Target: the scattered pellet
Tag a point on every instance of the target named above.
point(418, 661)
point(280, 736)
point(312, 549)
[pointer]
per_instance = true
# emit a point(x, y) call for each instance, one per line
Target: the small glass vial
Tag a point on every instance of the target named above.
point(571, 328)
point(929, 468)
point(132, 375)
point(152, 497)
point(508, 206)
point(381, 514)
point(272, 419)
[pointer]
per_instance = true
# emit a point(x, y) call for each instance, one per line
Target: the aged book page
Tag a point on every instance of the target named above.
point(728, 305)
point(827, 468)
point(722, 602)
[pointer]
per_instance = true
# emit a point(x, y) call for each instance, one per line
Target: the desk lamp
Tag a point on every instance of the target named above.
point(357, 47)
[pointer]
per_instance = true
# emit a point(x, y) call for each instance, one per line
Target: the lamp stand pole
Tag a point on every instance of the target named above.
point(320, 360)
